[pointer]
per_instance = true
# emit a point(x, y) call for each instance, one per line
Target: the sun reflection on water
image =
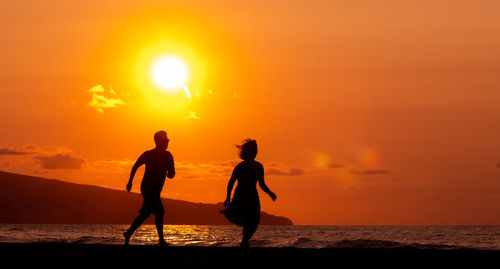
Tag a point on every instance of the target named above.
point(184, 235)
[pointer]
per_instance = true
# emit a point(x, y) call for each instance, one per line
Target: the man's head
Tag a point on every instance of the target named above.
point(161, 140)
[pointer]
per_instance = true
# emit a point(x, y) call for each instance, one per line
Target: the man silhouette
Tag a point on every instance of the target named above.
point(159, 163)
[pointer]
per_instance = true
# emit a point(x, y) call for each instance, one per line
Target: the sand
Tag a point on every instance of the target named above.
point(62, 254)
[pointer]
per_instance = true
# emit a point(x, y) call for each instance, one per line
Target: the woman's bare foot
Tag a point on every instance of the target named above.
point(127, 238)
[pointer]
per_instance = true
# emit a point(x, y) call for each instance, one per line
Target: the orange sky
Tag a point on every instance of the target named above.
point(364, 112)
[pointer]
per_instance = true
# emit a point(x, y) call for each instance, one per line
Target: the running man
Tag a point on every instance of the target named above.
point(159, 164)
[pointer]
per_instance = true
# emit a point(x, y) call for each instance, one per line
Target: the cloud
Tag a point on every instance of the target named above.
point(108, 163)
point(204, 171)
point(224, 169)
point(110, 166)
point(97, 88)
point(291, 172)
point(235, 96)
point(33, 149)
point(7, 151)
point(217, 170)
point(192, 115)
point(324, 161)
point(198, 93)
point(334, 165)
point(40, 173)
point(368, 172)
point(60, 161)
point(100, 100)
point(39, 160)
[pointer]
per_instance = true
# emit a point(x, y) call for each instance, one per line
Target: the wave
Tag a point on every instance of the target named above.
point(95, 240)
point(305, 242)
point(370, 243)
point(266, 236)
point(261, 243)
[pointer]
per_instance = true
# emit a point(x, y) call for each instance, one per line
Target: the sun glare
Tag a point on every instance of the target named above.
point(169, 73)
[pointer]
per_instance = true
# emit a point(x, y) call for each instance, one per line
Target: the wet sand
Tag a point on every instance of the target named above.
point(62, 254)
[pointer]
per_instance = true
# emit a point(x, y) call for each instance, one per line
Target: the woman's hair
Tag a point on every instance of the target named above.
point(248, 150)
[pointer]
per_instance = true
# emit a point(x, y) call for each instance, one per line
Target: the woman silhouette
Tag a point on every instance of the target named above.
point(244, 209)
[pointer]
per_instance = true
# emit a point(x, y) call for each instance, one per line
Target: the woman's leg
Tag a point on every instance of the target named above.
point(250, 227)
point(248, 231)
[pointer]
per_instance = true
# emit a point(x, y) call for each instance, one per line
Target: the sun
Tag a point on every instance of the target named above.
point(169, 73)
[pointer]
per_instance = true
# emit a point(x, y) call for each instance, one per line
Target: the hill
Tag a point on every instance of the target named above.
point(28, 199)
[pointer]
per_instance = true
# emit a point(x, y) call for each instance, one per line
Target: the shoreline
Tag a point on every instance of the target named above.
point(79, 254)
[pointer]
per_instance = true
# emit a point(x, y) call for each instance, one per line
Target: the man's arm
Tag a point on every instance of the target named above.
point(171, 168)
point(140, 161)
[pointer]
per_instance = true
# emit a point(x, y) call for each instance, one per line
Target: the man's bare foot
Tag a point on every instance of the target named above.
point(163, 243)
point(127, 238)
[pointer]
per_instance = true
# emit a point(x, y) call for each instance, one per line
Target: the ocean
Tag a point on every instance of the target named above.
point(432, 237)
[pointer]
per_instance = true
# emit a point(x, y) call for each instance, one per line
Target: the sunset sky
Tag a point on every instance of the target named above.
point(365, 112)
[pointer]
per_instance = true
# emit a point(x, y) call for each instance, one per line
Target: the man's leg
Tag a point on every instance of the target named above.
point(159, 229)
point(135, 224)
point(159, 213)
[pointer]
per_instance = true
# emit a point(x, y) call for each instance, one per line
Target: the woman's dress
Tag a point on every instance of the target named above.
point(244, 208)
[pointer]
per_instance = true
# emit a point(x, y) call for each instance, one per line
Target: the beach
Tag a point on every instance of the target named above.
point(55, 254)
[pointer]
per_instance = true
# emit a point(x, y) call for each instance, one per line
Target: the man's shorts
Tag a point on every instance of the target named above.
point(152, 205)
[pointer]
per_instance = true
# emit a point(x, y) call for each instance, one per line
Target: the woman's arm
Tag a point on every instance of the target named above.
point(263, 185)
point(230, 185)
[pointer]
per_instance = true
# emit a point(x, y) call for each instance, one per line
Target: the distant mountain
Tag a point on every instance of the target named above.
point(27, 199)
